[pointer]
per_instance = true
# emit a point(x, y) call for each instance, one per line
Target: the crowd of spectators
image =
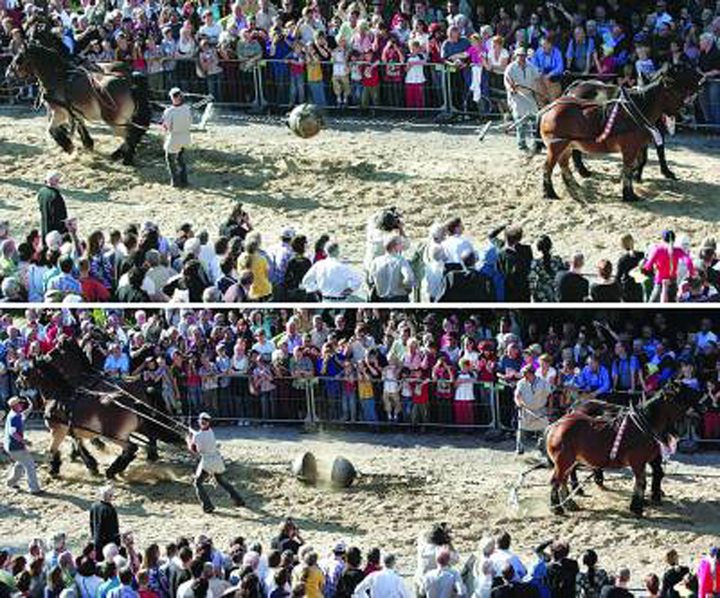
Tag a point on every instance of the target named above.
point(407, 54)
point(415, 368)
point(59, 262)
point(291, 565)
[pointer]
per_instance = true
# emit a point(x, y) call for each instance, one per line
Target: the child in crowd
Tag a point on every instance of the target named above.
point(391, 390)
point(464, 394)
point(644, 65)
point(349, 404)
point(370, 81)
point(340, 76)
point(315, 81)
point(366, 394)
point(407, 385)
point(415, 77)
point(356, 77)
point(297, 74)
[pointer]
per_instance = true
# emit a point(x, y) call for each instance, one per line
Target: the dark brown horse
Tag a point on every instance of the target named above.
point(75, 94)
point(623, 126)
point(94, 409)
point(631, 439)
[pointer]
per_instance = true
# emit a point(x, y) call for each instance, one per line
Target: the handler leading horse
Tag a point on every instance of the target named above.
point(625, 126)
point(74, 95)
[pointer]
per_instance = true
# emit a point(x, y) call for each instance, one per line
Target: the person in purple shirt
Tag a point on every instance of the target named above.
point(549, 62)
point(594, 379)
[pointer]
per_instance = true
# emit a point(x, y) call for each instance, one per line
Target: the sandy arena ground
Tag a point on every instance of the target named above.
point(335, 181)
point(406, 482)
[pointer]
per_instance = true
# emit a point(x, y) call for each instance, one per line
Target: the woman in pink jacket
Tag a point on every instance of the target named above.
point(708, 575)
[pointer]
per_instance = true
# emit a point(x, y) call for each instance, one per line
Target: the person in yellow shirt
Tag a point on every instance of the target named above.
point(252, 259)
point(309, 574)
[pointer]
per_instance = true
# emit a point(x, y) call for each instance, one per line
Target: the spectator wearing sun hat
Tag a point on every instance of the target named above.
point(333, 567)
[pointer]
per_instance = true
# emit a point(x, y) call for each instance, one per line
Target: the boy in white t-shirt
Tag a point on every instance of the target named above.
point(391, 390)
point(340, 76)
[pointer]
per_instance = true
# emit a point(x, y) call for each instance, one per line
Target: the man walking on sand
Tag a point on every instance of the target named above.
point(177, 121)
point(16, 446)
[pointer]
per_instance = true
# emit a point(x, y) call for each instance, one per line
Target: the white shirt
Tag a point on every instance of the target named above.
point(454, 247)
point(415, 70)
point(331, 278)
point(88, 586)
point(210, 458)
point(382, 584)
point(177, 120)
point(500, 558)
point(339, 60)
point(185, 590)
point(265, 349)
point(212, 32)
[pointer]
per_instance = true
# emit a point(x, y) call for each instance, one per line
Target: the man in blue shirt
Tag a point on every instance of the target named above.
point(117, 363)
point(64, 281)
point(594, 380)
point(548, 61)
point(16, 446)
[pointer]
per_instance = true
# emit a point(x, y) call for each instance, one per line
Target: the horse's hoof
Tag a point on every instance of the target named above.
point(585, 173)
point(580, 492)
point(656, 501)
point(559, 511)
point(571, 505)
point(110, 476)
point(669, 174)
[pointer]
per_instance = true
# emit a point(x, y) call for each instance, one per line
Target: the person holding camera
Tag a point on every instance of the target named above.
point(53, 211)
point(436, 541)
point(385, 223)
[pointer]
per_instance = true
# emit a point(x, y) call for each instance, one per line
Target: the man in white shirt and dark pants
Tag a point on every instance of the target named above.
point(455, 244)
point(383, 584)
point(177, 121)
point(531, 398)
point(334, 280)
point(203, 443)
point(391, 276)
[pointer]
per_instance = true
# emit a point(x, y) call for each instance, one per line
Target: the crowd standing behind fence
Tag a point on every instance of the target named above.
point(413, 56)
point(372, 368)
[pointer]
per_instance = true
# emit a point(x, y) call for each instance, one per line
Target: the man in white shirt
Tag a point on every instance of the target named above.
point(177, 121)
point(455, 244)
point(391, 275)
point(531, 398)
point(503, 556)
point(383, 584)
point(334, 280)
point(210, 29)
point(202, 442)
point(705, 336)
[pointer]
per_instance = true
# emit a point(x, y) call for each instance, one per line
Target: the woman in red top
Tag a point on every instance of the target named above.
point(444, 377)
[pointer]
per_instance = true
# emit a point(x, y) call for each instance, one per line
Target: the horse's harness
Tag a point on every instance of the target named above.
point(639, 419)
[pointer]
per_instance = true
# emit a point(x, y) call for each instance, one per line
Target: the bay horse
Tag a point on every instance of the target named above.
point(631, 439)
point(622, 126)
point(75, 95)
point(83, 414)
point(600, 92)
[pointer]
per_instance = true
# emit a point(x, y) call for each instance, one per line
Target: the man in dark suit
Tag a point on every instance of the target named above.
point(467, 285)
point(104, 527)
point(53, 212)
point(514, 263)
point(562, 572)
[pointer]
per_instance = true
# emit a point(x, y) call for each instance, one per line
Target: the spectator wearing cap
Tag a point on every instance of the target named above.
point(333, 567)
point(53, 212)
point(104, 527)
point(177, 121)
point(202, 442)
point(16, 446)
point(531, 397)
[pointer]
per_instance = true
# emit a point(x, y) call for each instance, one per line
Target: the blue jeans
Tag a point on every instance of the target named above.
point(195, 399)
point(317, 92)
point(368, 410)
point(297, 89)
point(349, 406)
point(266, 406)
point(214, 86)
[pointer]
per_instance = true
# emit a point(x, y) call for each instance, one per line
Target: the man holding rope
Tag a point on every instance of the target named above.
point(177, 121)
point(521, 83)
point(531, 398)
point(202, 442)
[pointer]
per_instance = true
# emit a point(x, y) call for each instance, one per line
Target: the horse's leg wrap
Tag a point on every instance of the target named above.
point(87, 141)
point(151, 451)
point(555, 505)
point(599, 477)
point(61, 134)
point(121, 463)
point(664, 168)
point(580, 165)
point(55, 463)
point(656, 493)
point(90, 461)
point(548, 188)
